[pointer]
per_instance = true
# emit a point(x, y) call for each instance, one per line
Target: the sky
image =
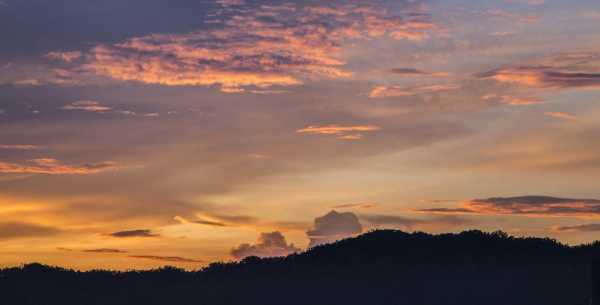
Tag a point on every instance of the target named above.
point(142, 133)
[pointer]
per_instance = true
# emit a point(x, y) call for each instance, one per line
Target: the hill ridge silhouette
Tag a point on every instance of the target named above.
point(378, 267)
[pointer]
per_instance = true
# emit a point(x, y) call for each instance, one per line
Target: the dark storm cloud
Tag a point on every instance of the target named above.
point(525, 205)
point(9, 230)
point(134, 233)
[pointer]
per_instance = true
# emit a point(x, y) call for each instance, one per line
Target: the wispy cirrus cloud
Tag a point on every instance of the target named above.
point(49, 166)
point(86, 105)
point(365, 205)
point(104, 250)
point(171, 259)
point(593, 227)
point(133, 233)
point(540, 206)
point(412, 72)
point(342, 132)
point(514, 100)
point(400, 91)
point(10, 230)
point(563, 71)
point(561, 116)
point(19, 146)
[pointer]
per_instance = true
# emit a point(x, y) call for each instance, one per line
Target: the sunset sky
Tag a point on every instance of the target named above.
point(135, 134)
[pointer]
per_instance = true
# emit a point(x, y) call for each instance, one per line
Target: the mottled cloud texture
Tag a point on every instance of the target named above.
point(256, 45)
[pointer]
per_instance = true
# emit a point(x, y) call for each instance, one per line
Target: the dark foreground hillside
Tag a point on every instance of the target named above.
point(381, 267)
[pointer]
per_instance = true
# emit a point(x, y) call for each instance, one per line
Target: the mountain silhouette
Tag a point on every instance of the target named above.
point(380, 267)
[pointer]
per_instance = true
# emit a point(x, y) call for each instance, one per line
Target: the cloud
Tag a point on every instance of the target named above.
point(9, 230)
point(49, 166)
point(541, 206)
point(64, 56)
point(343, 132)
point(399, 91)
point(561, 116)
point(172, 259)
point(104, 250)
point(332, 227)
point(516, 17)
point(594, 227)
point(134, 233)
point(513, 100)
point(258, 46)
point(395, 221)
point(19, 146)
point(416, 72)
point(86, 105)
point(366, 205)
point(564, 71)
point(268, 245)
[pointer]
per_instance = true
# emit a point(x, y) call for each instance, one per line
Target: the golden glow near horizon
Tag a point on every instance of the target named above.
point(264, 128)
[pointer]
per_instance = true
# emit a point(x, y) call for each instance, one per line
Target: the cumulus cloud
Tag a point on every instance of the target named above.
point(332, 227)
point(49, 166)
point(268, 245)
point(9, 230)
point(134, 233)
point(86, 105)
point(564, 71)
point(399, 91)
point(171, 259)
point(526, 206)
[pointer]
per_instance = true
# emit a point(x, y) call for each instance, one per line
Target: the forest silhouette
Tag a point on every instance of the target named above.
point(379, 267)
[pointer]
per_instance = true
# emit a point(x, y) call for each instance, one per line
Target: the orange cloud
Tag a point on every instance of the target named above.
point(397, 91)
point(343, 132)
point(563, 71)
point(562, 116)
point(367, 205)
point(50, 166)
point(291, 46)
point(90, 106)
